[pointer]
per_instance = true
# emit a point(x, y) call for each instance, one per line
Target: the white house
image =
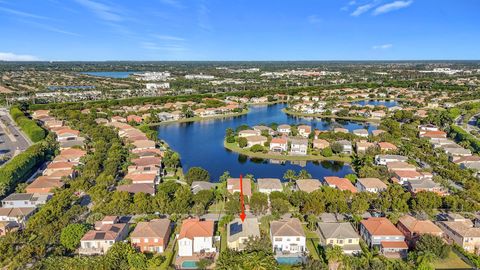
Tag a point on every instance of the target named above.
point(268, 185)
point(384, 159)
point(288, 236)
point(195, 237)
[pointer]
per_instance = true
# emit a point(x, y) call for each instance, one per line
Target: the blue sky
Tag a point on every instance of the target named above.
point(239, 29)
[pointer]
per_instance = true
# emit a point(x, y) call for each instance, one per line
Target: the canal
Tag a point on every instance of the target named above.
point(201, 144)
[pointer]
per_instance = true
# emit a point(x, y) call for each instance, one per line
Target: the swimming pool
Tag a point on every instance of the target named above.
point(289, 260)
point(189, 265)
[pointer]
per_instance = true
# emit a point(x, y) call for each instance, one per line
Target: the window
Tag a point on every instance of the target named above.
point(298, 239)
point(350, 241)
point(278, 239)
point(145, 240)
point(155, 240)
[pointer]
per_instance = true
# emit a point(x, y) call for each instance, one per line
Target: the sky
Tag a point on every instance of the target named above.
point(87, 30)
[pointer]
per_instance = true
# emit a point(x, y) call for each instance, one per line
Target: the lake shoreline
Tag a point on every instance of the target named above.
point(348, 118)
point(199, 119)
point(234, 148)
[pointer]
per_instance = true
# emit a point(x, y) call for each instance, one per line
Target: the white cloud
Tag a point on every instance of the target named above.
point(391, 7)
point(173, 3)
point(168, 38)
point(101, 10)
point(382, 47)
point(21, 13)
point(8, 56)
point(362, 9)
point(163, 47)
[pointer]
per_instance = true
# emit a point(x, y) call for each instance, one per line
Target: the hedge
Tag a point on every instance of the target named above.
point(23, 166)
point(29, 126)
point(461, 135)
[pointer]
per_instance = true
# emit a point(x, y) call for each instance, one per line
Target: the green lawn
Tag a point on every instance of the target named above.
point(223, 239)
point(312, 242)
point(451, 262)
point(216, 207)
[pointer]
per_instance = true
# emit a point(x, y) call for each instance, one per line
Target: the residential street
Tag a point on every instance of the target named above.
point(12, 140)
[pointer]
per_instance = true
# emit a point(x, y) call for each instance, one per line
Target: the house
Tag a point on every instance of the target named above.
point(433, 134)
point(17, 215)
point(118, 119)
point(268, 130)
point(308, 185)
point(377, 132)
point(362, 146)
point(138, 188)
point(427, 128)
point(456, 151)
point(380, 232)
point(248, 132)
point(59, 166)
point(377, 114)
point(339, 234)
point(374, 185)
point(304, 130)
point(400, 166)
point(284, 129)
point(151, 236)
point(340, 130)
point(413, 228)
point(278, 145)
point(385, 159)
point(346, 146)
point(233, 185)
point(461, 231)
point(44, 185)
point(70, 155)
point(298, 146)
point(142, 178)
point(320, 144)
point(67, 134)
point(425, 184)
point(360, 132)
point(143, 145)
point(238, 232)
point(403, 177)
point(386, 147)
point(268, 185)
point(287, 236)
point(256, 140)
point(196, 237)
point(134, 118)
point(7, 227)
point(15, 200)
point(201, 185)
point(102, 238)
point(339, 183)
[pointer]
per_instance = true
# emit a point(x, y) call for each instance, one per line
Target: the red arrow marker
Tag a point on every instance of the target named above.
point(242, 203)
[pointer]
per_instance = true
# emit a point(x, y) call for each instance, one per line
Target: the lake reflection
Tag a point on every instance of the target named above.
point(201, 144)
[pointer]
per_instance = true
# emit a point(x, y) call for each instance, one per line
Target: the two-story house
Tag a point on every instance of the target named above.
point(380, 232)
point(195, 237)
point(102, 238)
point(288, 236)
point(339, 234)
point(151, 236)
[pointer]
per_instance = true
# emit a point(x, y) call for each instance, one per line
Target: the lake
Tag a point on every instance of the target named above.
point(386, 103)
point(111, 74)
point(201, 144)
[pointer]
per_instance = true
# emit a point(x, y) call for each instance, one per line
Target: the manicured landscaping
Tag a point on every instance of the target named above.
point(453, 261)
point(331, 116)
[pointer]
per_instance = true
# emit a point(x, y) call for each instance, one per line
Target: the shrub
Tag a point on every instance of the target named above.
point(256, 148)
point(29, 126)
point(242, 142)
point(230, 139)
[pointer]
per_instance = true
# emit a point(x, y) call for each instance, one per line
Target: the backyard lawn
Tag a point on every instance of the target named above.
point(451, 262)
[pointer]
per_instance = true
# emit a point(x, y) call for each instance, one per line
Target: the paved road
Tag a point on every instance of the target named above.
point(12, 140)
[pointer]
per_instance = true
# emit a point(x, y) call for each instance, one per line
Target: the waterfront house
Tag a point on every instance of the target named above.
point(233, 185)
point(360, 132)
point(385, 159)
point(462, 232)
point(298, 146)
point(238, 232)
point(288, 236)
point(340, 130)
point(307, 185)
point(377, 114)
point(373, 185)
point(346, 146)
point(339, 234)
point(339, 183)
point(134, 118)
point(248, 132)
point(304, 130)
point(320, 144)
point(284, 129)
point(102, 238)
point(268, 185)
point(256, 140)
point(268, 130)
point(201, 185)
point(278, 145)
point(380, 232)
point(151, 236)
point(377, 132)
point(413, 228)
point(196, 237)
point(143, 145)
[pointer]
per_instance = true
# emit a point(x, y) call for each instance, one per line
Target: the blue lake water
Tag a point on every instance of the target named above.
point(111, 74)
point(201, 144)
point(386, 103)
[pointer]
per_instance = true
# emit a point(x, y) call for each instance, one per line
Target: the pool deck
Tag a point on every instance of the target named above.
point(196, 257)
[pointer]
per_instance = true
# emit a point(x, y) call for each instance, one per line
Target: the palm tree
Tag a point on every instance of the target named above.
point(290, 176)
point(303, 174)
point(334, 256)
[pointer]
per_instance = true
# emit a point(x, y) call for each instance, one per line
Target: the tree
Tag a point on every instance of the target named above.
point(290, 176)
point(312, 222)
point(256, 148)
point(242, 142)
point(280, 206)
point(432, 244)
point(204, 263)
point(197, 174)
point(303, 174)
point(327, 152)
point(229, 132)
point(71, 235)
point(224, 177)
point(259, 203)
point(336, 147)
point(334, 255)
point(141, 203)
